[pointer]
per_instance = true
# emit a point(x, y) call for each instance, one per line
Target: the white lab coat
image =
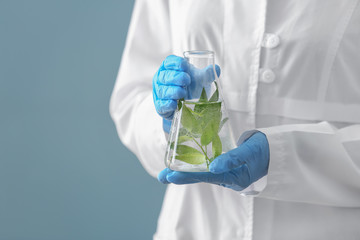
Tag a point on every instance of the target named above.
point(291, 69)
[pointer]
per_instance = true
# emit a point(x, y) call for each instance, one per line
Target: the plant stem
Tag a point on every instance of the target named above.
point(207, 158)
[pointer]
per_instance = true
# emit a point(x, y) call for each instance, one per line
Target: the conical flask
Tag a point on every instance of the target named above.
point(200, 130)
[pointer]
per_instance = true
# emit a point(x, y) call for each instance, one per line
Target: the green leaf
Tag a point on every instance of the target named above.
point(211, 121)
point(222, 123)
point(216, 146)
point(197, 114)
point(196, 129)
point(183, 132)
point(192, 158)
point(199, 107)
point(213, 106)
point(195, 122)
point(208, 108)
point(209, 132)
point(180, 103)
point(184, 149)
point(183, 138)
point(212, 112)
point(187, 119)
point(203, 97)
point(215, 96)
point(189, 155)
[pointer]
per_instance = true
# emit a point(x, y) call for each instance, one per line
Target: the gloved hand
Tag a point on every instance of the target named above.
point(177, 79)
point(236, 169)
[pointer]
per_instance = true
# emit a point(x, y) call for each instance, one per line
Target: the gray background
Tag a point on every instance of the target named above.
point(64, 174)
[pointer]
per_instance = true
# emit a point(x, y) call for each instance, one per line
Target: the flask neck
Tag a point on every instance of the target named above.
point(200, 59)
point(203, 75)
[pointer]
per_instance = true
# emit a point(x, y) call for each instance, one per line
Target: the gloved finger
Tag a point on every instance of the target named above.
point(254, 152)
point(172, 77)
point(170, 92)
point(162, 175)
point(173, 62)
point(206, 73)
point(194, 177)
point(230, 160)
point(218, 70)
point(209, 73)
point(165, 108)
point(236, 179)
point(166, 125)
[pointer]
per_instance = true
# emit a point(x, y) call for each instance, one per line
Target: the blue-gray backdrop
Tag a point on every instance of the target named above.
point(64, 174)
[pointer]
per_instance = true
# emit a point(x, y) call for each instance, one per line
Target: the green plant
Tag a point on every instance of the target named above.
point(201, 124)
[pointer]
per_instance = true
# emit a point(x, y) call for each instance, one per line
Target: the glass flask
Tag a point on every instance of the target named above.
point(200, 130)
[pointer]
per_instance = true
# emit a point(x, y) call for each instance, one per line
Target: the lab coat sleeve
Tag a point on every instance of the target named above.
point(131, 106)
point(314, 163)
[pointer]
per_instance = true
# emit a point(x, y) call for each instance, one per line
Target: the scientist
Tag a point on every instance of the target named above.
point(290, 77)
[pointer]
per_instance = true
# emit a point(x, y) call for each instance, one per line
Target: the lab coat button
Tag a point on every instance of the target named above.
point(267, 76)
point(271, 41)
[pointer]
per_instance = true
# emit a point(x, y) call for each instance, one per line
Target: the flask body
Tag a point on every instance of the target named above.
point(200, 130)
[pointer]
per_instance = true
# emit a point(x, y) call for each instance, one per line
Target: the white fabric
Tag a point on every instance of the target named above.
point(309, 110)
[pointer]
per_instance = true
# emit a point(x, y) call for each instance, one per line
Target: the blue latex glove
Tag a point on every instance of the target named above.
point(236, 169)
point(177, 79)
